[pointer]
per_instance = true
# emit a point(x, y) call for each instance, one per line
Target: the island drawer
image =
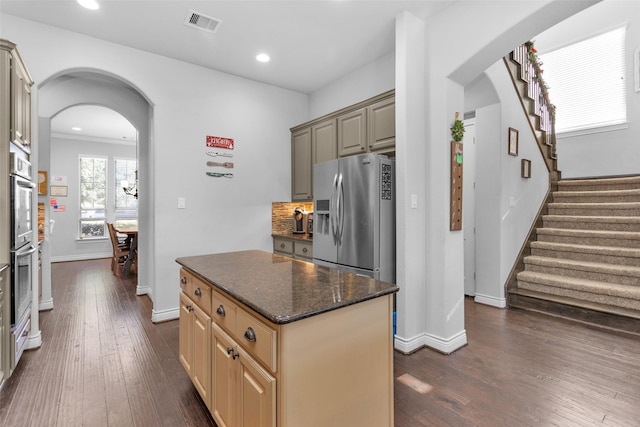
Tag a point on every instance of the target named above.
point(197, 290)
point(224, 312)
point(257, 337)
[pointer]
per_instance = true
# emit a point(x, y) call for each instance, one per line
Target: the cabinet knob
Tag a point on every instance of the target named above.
point(282, 245)
point(250, 335)
point(233, 353)
point(221, 311)
point(183, 279)
point(305, 250)
point(198, 292)
point(189, 307)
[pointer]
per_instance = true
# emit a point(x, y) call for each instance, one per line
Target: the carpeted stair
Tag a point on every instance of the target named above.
point(585, 261)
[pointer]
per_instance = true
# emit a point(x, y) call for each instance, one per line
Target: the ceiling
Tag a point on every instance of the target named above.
point(311, 43)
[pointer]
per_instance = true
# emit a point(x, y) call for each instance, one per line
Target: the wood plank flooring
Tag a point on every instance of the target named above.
point(103, 363)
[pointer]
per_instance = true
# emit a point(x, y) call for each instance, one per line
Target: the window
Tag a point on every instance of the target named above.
point(126, 206)
point(93, 197)
point(587, 82)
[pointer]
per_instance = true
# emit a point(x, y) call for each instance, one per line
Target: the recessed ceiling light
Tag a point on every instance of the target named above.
point(263, 57)
point(76, 128)
point(89, 4)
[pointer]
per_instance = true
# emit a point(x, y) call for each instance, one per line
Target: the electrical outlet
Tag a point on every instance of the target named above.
point(414, 201)
point(181, 203)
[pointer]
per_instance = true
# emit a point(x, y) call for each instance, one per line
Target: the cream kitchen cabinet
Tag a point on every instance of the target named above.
point(195, 333)
point(292, 342)
point(4, 322)
point(244, 393)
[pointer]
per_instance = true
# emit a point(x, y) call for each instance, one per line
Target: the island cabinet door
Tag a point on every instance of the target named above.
point(257, 394)
point(223, 378)
point(201, 368)
point(186, 334)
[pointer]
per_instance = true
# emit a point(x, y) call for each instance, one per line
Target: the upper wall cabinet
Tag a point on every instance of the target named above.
point(381, 132)
point(16, 81)
point(352, 132)
point(368, 126)
point(301, 172)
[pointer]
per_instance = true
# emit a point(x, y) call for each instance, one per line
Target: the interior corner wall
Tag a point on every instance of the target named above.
point(411, 300)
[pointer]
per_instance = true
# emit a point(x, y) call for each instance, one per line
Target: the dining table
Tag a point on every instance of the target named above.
point(132, 240)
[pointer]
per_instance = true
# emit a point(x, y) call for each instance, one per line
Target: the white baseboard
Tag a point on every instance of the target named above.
point(489, 300)
point(144, 290)
point(81, 257)
point(164, 315)
point(34, 341)
point(446, 346)
point(46, 305)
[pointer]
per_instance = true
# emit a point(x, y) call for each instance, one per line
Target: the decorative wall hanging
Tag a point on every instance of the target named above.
point(220, 142)
point(218, 154)
point(42, 183)
point(59, 190)
point(220, 175)
point(513, 142)
point(457, 133)
point(228, 165)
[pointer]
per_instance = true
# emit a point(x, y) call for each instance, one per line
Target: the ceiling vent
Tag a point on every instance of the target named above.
point(202, 22)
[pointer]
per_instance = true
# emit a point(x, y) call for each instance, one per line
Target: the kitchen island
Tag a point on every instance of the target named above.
point(273, 341)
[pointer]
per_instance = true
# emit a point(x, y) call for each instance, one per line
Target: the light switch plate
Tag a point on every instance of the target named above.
point(181, 203)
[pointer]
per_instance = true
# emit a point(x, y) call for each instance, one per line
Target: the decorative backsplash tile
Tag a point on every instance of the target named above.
point(282, 215)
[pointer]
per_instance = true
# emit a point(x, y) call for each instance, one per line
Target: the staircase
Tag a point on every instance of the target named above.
point(585, 260)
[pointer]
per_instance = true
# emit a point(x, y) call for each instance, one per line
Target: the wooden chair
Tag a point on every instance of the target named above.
point(120, 251)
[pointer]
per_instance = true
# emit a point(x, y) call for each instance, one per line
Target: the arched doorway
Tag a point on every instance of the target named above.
point(93, 87)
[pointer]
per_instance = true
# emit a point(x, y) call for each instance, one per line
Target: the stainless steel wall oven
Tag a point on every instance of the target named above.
point(22, 249)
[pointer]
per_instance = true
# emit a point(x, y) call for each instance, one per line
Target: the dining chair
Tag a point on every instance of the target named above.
point(120, 251)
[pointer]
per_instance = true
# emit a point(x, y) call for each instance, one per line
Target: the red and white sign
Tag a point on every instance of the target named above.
point(220, 142)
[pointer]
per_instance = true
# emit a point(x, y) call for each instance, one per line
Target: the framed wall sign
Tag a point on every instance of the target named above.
point(513, 142)
point(59, 190)
point(525, 168)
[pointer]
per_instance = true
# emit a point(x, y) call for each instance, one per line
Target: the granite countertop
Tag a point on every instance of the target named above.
point(283, 289)
point(295, 236)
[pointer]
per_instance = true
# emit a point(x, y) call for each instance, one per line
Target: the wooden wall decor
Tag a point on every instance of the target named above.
point(456, 186)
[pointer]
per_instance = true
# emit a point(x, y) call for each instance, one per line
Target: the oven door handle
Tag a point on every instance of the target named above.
point(30, 251)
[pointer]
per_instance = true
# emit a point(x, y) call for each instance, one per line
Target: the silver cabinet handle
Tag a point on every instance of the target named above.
point(221, 311)
point(250, 335)
point(198, 292)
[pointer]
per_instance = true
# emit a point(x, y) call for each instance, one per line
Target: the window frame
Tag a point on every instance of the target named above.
point(99, 219)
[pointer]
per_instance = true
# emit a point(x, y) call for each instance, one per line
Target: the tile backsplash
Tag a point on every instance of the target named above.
point(282, 215)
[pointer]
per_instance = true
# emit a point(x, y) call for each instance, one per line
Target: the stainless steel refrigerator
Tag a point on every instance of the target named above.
point(354, 215)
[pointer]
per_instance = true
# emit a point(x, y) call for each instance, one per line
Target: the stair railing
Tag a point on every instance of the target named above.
point(540, 110)
point(526, 75)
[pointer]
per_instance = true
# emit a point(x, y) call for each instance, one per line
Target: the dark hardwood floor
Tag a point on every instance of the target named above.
point(103, 363)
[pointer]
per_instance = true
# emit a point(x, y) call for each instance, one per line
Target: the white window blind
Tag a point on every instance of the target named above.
point(587, 82)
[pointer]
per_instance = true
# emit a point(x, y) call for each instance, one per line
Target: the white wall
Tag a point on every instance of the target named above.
point(189, 103)
point(65, 154)
point(614, 152)
point(366, 82)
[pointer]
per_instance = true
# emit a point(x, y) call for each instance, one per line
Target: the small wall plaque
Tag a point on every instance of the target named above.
point(513, 142)
point(525, 168)
point(59, 190)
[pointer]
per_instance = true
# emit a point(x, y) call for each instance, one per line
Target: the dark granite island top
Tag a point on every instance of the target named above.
point(283, 289)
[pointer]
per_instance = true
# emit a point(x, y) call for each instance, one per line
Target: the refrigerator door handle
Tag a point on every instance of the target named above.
point(332, 209)
point(340, 208)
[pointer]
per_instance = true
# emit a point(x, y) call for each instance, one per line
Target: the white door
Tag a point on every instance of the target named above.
point(469, 206)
